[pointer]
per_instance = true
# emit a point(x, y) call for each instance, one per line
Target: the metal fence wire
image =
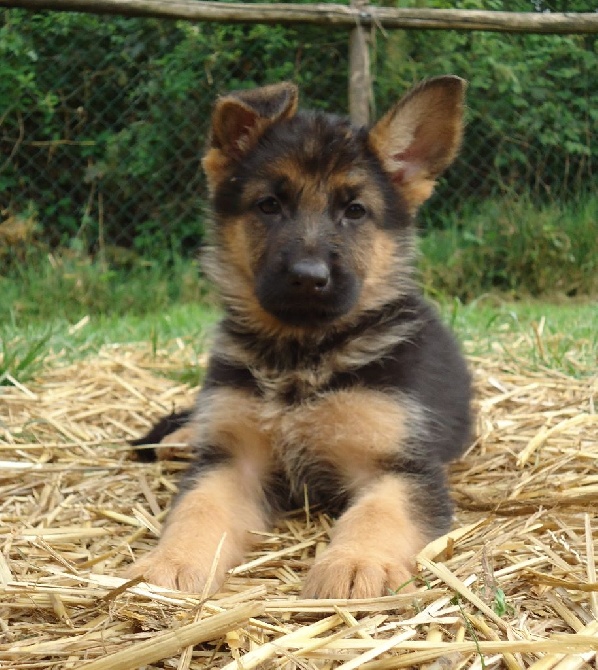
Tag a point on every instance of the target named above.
point(104, 119)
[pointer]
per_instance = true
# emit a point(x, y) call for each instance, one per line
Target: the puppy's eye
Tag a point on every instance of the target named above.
point(355, 211)
point(269, 205)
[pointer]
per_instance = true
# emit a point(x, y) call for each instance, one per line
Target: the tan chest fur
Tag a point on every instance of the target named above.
point(350, 430)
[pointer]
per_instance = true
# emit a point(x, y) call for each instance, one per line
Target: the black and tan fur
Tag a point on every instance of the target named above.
point(330, 374)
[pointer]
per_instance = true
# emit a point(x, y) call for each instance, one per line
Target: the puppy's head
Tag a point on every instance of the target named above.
point(312, 216)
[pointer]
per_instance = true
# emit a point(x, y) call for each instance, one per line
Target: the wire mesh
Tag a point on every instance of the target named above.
point(104, 119)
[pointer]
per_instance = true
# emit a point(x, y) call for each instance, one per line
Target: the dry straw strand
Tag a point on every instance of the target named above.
point(75, 507)
point(169, 642)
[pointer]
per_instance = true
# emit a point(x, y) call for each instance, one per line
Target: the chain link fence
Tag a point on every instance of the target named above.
point(104, 119)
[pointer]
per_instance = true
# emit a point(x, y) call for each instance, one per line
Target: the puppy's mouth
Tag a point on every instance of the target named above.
point(310, 316)
point(318, 309)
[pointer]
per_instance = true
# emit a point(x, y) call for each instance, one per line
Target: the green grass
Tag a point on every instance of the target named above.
point(547, 335)
point(72, 286)
point(26, 347)
point(22, 354)
point(516, 247)
point(57, 309)
point(60, 309)
point(560, 335)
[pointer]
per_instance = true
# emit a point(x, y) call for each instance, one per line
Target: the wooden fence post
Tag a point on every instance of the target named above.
point(360, 79)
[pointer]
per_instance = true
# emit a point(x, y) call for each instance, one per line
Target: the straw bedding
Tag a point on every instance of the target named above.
point(513, 585)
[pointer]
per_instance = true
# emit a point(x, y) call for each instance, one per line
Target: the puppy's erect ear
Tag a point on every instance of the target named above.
point(420, 136)
point(240, 118)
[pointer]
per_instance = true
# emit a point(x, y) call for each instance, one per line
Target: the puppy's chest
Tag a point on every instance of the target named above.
point(290, 388)
point(291, 412)
point(311, 426)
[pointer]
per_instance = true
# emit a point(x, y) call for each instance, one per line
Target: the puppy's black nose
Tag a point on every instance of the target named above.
point(309, 275)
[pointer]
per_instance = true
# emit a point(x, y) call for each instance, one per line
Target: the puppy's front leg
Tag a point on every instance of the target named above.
point(374, 543)
point(218, 508)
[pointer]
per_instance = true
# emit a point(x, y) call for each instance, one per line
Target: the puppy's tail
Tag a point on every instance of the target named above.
point(144, 449)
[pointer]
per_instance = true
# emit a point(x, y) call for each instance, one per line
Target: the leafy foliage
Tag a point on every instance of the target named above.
point(532, 105)
point(104, 123)
point(116, 111)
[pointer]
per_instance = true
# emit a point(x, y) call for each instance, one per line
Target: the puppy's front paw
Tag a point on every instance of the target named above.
point(343, 572)
point(175, 568)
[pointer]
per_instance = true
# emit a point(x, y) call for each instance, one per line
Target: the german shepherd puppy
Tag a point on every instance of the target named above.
point(330, 374)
